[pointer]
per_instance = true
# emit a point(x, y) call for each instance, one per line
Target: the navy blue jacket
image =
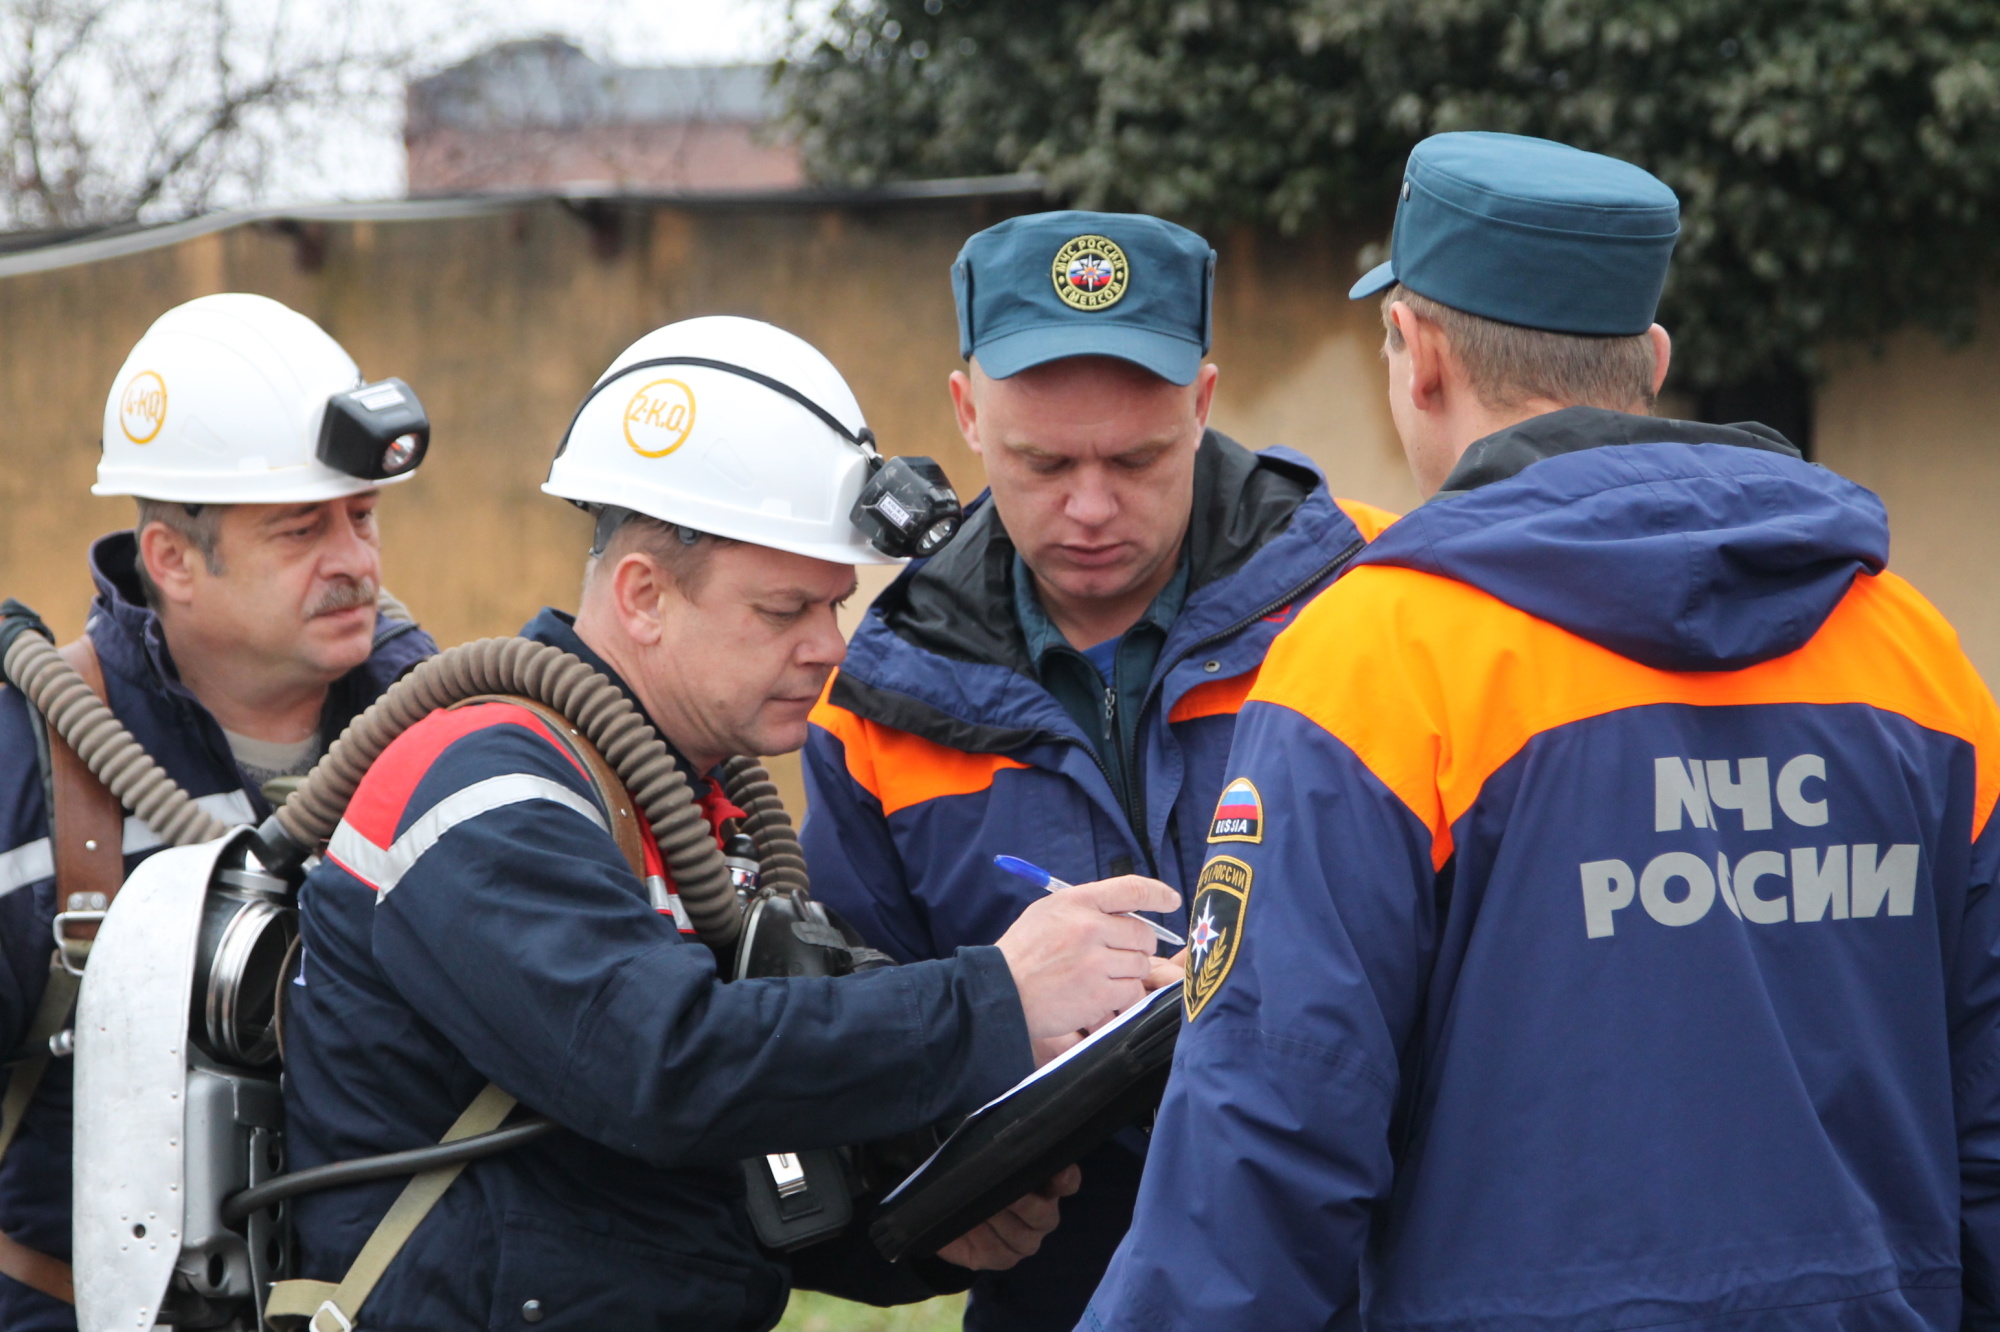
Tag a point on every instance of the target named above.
point(1601, 928)
point(148, 697)
point(474, 922)
point(938, 747)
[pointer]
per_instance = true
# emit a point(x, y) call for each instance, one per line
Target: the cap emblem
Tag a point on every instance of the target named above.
point(659, 418)
point(142, 407)
point(1090, 273)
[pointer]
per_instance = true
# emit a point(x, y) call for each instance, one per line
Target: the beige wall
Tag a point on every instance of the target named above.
point(501, 319)
point(1919, 424)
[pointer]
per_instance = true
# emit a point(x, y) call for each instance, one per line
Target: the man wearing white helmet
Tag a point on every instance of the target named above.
point(475, 924)
point(234, 633)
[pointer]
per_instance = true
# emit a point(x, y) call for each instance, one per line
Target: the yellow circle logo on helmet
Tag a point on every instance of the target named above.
point(142, 407)
point(754, 463)
point(252, 386)
point(659, 418)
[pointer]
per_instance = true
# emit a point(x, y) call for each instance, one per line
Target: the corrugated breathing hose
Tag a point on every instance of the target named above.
point(602, 712)
point(67, 703)
point(781, 861)
point(80, 717)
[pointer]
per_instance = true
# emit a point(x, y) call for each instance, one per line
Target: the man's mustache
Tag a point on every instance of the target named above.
point(344, 595)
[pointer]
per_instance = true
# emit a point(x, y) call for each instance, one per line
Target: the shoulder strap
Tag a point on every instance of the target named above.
point(86, 826)
point(611, 793)
point(86, 835)
point(328, 1307)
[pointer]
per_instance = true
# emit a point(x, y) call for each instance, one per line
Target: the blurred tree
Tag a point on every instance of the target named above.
point(1838, 161)
point(121, 110)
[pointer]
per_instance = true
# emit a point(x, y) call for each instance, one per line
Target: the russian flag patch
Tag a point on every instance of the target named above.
point(1239, 815)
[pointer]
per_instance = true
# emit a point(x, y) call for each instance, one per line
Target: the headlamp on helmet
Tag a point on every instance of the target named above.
point(906, 507)
point(374, 432)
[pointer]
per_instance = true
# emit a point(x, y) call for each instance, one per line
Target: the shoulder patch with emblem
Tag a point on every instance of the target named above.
point(1239, 815)
point(1215, 928)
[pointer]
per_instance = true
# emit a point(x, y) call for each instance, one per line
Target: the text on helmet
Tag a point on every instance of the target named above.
point(142, 407)
point(659, 418)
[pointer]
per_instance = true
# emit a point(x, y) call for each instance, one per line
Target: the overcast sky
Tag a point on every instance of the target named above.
point(363, 158)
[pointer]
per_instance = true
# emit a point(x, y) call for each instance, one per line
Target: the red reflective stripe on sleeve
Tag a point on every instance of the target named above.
point(378, 803)
point(1214, 698)
point(900, 769)
point(1371, 520)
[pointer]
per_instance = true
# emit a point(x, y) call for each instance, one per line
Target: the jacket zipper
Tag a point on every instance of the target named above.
point(1325, 571)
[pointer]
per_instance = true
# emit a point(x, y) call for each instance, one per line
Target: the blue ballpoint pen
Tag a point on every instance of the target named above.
point(1049, 883)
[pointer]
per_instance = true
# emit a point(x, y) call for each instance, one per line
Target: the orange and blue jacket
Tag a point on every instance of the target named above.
point(1599, 929)
point(937, 748)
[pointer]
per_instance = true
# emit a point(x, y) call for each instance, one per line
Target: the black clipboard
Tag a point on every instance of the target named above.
point(1047, 1121)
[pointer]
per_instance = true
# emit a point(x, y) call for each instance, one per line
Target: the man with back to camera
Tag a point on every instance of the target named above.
point(235, 633)
point(1619, 945)
point(1061, 682)
point(475, 924)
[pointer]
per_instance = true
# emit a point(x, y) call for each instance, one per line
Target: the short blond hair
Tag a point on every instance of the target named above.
point(1508, 364)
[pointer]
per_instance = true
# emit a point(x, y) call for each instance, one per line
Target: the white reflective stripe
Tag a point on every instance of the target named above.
point(383, 868)
point(26, 864)
point(33, 861)
point(229, 808)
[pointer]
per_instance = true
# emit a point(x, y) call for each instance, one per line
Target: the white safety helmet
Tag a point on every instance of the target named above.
point(737, 428)
point(235, 399)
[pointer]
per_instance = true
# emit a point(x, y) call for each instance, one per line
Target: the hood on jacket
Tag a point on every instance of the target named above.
point(1681, 555)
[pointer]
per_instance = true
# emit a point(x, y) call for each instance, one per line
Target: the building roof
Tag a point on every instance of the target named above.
point(550, 83)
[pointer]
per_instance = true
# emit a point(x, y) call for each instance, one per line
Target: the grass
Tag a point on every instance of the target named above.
point(810, 1312)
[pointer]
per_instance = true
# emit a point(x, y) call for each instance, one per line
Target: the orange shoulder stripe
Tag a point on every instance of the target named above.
point(900, 769)
point(1367, 517)
point(1435, 685)
point(1214, 698)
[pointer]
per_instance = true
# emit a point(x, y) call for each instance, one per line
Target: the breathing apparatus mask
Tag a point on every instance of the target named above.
point(906, 509)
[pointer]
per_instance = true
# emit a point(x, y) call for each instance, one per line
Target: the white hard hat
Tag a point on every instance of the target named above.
point(729, 426)
point(236, 399)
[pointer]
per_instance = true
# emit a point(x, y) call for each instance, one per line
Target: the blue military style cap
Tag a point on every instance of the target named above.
point(1050, 285)
point(1531, 232)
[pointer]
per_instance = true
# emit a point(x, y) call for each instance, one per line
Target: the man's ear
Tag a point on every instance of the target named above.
point(638, 587)
point(966, 410)
point(170, 559)
point(1663, 355)
point(1204, 393)
point(1430, 357)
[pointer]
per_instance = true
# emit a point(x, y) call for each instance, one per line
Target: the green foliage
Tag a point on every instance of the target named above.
point(1838, 161)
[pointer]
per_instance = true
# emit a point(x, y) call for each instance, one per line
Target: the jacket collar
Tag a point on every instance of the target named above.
point(1505, 453)
point(558, 629)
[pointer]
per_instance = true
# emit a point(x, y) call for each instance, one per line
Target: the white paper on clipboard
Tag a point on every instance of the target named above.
point(1165, 996)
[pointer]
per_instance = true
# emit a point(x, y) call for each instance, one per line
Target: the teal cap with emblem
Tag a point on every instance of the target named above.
point(1531, 232)
point(1053, 285)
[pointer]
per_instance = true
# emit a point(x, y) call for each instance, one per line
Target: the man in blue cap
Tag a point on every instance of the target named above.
point(1061, 682)
point(1618, 943)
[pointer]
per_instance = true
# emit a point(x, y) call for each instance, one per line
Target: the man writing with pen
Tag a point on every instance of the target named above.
point(1060, 684)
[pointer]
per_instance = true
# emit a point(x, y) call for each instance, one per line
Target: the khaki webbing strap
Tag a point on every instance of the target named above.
point(333, 1308)
point(38, 1271)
